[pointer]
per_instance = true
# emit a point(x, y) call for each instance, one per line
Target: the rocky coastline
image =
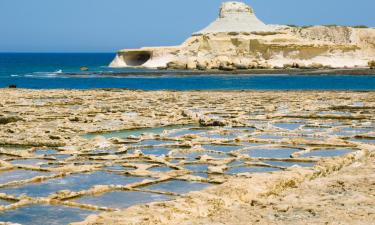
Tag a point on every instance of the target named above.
point(238, 40)
point(290, 71)
point(254, 149)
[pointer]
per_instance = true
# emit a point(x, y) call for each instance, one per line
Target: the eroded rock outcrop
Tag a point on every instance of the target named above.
point(239, 40)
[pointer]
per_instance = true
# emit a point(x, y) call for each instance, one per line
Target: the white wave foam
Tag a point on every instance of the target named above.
point(47, 74)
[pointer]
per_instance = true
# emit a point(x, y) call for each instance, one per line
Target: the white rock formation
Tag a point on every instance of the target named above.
point(239, 40)
point(236, 17)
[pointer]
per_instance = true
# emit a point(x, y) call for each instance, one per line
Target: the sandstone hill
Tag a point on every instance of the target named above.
point(237, 39)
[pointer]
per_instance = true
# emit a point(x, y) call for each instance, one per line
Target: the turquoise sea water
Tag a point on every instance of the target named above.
point(47, 71)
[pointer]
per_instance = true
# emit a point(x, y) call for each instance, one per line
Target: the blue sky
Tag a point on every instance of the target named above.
point(109, 25)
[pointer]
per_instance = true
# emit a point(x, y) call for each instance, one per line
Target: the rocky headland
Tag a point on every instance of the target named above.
point(238, 40)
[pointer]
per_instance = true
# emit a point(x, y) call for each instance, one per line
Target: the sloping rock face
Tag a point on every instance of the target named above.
point(236, 17)
point(239, 40)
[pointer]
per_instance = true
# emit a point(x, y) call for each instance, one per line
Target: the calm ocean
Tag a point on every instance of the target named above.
point(46, 71)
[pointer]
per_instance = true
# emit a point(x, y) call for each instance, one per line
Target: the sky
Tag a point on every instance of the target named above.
point(109, 25)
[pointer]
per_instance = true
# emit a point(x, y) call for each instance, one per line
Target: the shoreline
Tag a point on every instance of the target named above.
point(302, 72)
point(170, 81)
point(232, 91)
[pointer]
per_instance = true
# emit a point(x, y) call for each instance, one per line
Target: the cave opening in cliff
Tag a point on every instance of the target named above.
point(137, 58)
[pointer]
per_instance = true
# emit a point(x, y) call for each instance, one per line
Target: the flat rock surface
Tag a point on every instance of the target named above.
point(344, 197)
point(223, 157)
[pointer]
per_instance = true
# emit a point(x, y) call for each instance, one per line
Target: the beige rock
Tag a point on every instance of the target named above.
point(202, 64)
point(178, 64)
point(191, 64)
point(237, 36)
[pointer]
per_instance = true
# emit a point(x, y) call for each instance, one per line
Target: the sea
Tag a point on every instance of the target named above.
point(53, 71)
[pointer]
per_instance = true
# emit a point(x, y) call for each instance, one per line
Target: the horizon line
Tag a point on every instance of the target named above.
point(54, 52)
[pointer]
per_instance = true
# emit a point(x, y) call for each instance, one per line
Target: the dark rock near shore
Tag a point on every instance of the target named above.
point(225, 66)
point(211, 123)
point(177, 65)
point(9, 119)
point(371, 64)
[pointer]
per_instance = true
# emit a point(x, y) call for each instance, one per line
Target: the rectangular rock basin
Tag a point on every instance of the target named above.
point(44, 214)
point(178, 186)
point(75, 182)
point(244, 169)
point(135, 132)
point(271, 152)
point(123, 199)
point(32, 162)
point(289, 126)
point(15, 175)
point(327, 153)
point(289, 164)
point(155, 151)
point(222, 148)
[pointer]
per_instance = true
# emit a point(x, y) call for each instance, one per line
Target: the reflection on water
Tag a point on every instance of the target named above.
point(327, 153)
point(135, 132)
point(165, 156)
point(45, 214)
point(123, 199)
point(75, 182)
point(177, 186)
point(14, 175)
point(245, 169)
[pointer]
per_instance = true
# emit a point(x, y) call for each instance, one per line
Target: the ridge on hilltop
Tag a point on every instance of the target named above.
point(236, 17)
point(237, 39)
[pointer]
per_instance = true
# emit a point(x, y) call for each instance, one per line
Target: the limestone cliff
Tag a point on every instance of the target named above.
point(239, 40)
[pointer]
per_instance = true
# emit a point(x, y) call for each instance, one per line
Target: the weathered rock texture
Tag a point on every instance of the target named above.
point(344, 197)
point(239, 40)
point(47, 141)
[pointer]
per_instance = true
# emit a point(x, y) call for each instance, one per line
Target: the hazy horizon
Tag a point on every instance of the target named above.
point(106, 26)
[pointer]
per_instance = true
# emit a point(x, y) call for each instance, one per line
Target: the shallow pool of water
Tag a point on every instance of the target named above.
point(289, 164)
point(45, 152)
point(155, 151)
point(196, 155)
point(197, 167)
point(75, 182)
point(183, 132)
point(44, 214)
point(15, 175)
point(4, 203)
point(271, 152)
point(219, 136)
point(222, 148)
point(270, 137)
point(363, 140)
point(327, 153)
point(154, 142)
point(288, 126)
point(249, 169)
point(161, 169)
point(32, 162)
point(123, 199)
point(178, 186)
point(135, 132)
